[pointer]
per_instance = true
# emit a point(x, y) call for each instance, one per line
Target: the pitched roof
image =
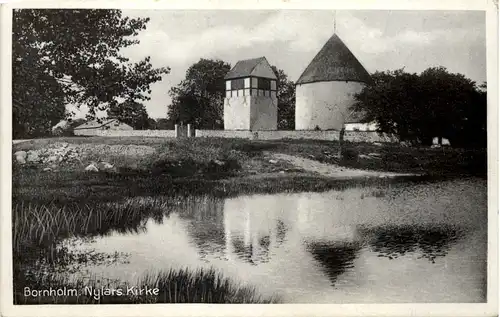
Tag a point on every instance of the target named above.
point(334, 62)
point(248, 67)
point(94, 124)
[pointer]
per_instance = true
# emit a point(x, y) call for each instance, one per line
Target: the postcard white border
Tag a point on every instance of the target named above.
point(488, 309)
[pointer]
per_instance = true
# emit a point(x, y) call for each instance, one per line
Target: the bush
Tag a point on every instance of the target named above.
point(349, 154)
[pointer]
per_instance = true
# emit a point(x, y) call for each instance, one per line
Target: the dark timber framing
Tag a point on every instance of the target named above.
point(263, 84)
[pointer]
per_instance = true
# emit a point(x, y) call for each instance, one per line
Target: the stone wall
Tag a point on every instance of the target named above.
point(240, 134)
point(329, 135)
point(297, 134)
point(126, 133)
point(369, 137)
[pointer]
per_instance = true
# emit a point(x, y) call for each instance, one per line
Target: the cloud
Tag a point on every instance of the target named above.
point(292, 37)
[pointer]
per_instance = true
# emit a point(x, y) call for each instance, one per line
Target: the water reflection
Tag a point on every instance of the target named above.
point(205, 224)
point(392, 241)
point(322, 247)
point(334, 259)
point(251, 236)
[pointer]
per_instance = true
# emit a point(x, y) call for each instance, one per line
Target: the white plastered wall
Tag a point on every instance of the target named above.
point(264, 113)
point(324, 104)
point(237, 113)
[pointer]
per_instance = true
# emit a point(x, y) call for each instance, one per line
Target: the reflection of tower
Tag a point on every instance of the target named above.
point(323, 217)
point(247, 227)
point(280, 232)
point(251, 231)
point(227, 234)
point(206, 225)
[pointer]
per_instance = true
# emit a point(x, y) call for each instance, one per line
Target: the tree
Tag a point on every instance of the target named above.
point(419, 107)
point(63, 56)
point(152, 124)
point(33, 112)
point(286, 100)
point(472, 132)
point(199, 98)
point(131, 113)
point(165, 124)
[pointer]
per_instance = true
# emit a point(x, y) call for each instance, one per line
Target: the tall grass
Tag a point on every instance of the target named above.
point(40, 225)
point(201, 286)
point(174, 286)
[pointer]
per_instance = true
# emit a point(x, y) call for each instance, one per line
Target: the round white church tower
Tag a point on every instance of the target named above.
point(326, 88)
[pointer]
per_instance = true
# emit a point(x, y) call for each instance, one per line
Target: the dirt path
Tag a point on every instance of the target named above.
point(331, 170)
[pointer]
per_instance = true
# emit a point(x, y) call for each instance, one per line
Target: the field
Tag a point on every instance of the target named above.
point(154, 174)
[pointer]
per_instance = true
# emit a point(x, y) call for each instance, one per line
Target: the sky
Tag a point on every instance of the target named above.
point(289, 39)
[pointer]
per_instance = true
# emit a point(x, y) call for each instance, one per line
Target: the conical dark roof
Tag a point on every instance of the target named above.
point(334, 62)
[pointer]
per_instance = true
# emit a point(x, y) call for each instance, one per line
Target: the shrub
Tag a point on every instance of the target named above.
point(349, 154)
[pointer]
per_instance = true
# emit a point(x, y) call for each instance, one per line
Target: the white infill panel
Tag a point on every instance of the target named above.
point(273, 84)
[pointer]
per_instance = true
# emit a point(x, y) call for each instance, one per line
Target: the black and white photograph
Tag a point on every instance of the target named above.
point(268, 156)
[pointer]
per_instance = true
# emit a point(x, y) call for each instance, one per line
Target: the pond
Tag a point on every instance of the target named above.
point(409, 242)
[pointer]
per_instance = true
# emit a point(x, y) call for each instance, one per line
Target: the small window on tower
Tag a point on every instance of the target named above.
point(264, 83)
point(238, 84)
point(254, 82)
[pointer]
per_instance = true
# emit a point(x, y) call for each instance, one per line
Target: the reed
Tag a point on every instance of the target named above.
point(41, 225)
point(201, 286)
point(205, 286)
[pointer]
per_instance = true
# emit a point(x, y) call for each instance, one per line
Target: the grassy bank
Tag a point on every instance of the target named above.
point(249, 156)
point(156, 166)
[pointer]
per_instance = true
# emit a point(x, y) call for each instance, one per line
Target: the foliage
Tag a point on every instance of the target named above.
point(199, 98)
point(286, 100)
point(34, 112)
point(63, 56)
point(419, 107)
point(165, 124)
point(131, 113)
point(349, 155)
